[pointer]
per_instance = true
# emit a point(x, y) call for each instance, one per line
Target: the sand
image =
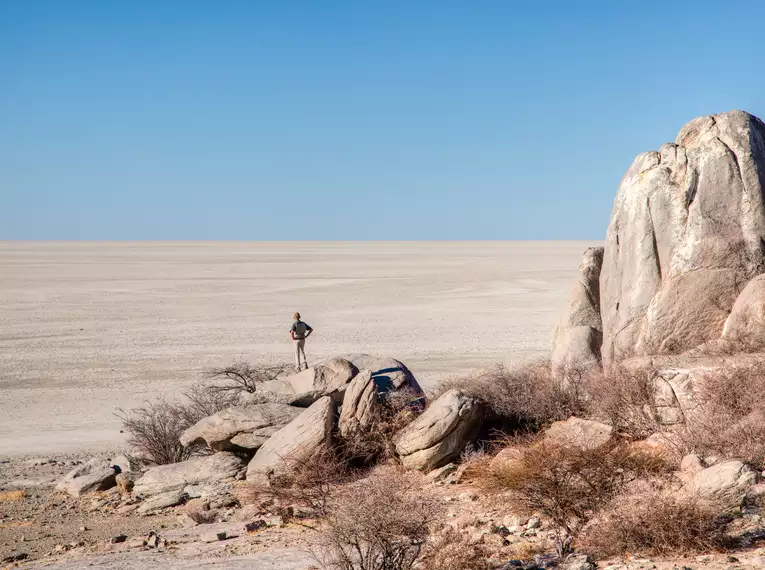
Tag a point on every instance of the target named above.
point(88, 328)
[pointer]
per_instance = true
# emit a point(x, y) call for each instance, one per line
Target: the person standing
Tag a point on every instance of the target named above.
point(299, 332)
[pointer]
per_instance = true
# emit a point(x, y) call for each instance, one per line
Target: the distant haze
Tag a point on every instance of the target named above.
point(198, 120)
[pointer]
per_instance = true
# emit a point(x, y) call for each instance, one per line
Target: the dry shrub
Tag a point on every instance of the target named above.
point(655, 524)
point(453, 550)
point(374, 443)
point(11, 496)
point(523, 397)
point(379, 523)
point(625, 398)
point(303, 482)
point(730, 418)
point(245, 377)
point(527, 550)
point(566, 484)
point(155, 429)
point(204, 400)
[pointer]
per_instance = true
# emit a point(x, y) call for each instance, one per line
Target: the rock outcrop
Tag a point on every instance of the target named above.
point(95, 475)
point(687, 232)
point(746, 322)
point(330, 378)
point(579, 433)
point(358, 404)
point(441, 432)
point(297, 441)
point(199, 470)
point(240, 428)
point(579, 334)
point(727, 482)
point(388, 373)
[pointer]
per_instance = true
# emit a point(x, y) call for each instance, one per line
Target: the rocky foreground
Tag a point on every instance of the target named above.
point(48, 528)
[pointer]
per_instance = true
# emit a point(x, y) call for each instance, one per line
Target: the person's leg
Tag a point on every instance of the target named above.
point(302, 350)
point(297, 354)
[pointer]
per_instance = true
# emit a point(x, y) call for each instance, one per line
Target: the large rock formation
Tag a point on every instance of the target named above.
point(295, 442)
point(240, 428)
point(687, 233)
point(579, 334)
point(441, 432)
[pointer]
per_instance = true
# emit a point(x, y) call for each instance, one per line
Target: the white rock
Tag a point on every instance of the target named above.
point(237, 428)
point(297, 441)
point(686, 230)
point(196, 471)
point(95, 475)
point(441, 433)
point(576, 432)
point(728, 482)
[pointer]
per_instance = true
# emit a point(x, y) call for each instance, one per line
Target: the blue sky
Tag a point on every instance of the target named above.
point(270, 120)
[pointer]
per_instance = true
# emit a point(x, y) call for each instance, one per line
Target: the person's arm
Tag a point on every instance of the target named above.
point(308, 330)
point(292, 331)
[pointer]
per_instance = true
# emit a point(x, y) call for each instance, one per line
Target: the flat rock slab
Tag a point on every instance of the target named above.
point(576, 432)
point(196, 471)
point(161, 501)
point(296, 441)
point(246, 427)
point(283, 559)
point(329, 378)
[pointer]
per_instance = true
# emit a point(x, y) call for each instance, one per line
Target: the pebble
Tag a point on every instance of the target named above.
point(214, 536)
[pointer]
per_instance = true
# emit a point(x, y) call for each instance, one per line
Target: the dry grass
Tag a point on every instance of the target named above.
point(566, 484)
point(730, 419)
point(379, 523)
point(12, 496)
point(655, 524)
point(525, 397)
point(453, 550)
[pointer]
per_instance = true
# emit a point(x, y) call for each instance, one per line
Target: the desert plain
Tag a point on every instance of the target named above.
point(89, 328)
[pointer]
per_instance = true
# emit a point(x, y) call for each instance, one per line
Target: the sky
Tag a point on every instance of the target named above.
point(350, 120)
